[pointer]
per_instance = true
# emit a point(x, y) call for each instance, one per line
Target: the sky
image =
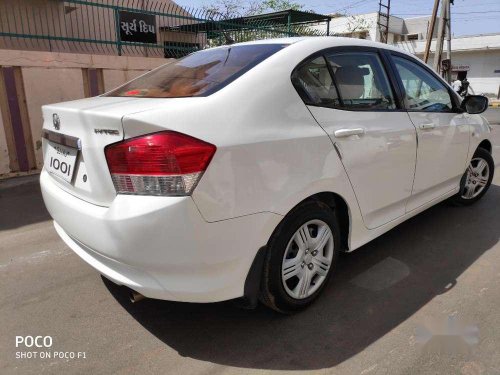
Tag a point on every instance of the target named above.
point(469, 17)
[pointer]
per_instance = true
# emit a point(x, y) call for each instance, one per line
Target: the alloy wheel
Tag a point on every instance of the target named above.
point(476, 179)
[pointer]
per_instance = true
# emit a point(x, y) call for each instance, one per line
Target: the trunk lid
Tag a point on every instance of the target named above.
point(96, 123)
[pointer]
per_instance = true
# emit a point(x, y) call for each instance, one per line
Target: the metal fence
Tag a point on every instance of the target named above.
point(135, 27)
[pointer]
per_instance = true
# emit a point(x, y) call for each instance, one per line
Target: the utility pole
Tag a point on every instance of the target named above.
point(440, 37)
point(444, 29)
point(448, 39)
point(430, 31)
point(384, 10)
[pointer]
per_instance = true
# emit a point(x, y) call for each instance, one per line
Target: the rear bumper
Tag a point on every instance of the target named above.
point(160, 246)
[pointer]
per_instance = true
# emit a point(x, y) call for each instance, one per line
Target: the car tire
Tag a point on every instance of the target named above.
point(296, 271)
point(476, 180)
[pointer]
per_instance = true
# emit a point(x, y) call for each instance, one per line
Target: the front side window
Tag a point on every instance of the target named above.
point(198, 74)
point(361, 81)
point(423, 91)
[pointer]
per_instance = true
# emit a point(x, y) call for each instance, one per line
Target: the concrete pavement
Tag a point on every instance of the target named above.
point(493, 115)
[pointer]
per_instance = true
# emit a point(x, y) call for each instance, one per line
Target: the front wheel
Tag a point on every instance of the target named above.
point(302, 254)
point(476, 179)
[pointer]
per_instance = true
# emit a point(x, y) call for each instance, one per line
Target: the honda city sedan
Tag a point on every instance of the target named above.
point(244, 170)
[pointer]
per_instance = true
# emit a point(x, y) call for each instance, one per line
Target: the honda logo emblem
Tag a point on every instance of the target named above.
point(56, 121)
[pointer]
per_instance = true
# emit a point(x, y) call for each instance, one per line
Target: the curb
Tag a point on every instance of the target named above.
point(15, 181)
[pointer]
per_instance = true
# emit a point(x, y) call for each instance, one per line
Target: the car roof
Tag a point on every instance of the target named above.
point(325, 42)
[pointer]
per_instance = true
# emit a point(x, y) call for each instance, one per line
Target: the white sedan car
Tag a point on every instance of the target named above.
point(243, 170)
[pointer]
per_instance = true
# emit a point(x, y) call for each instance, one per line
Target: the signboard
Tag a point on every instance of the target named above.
point(459, 68)
point(137, 27)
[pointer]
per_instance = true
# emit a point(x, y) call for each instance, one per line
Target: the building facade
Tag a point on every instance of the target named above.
point(475, 57)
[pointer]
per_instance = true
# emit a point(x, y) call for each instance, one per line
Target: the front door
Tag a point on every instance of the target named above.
point(443, 133)
point(374, 138)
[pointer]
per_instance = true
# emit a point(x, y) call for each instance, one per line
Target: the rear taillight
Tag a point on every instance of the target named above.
point(166, 163)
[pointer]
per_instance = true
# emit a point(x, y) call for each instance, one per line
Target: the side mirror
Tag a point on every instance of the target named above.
point(474, 104)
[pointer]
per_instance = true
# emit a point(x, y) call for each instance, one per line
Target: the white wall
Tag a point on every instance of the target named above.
point(482, 76)
point(465, 43)
point(365, 23)
point(419, 25)
point(345, 25)
point(480, 52)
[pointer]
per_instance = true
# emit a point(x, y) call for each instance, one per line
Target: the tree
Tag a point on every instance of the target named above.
point(277, 5)
point(221, 10)
point(227, 9)
point(358, 23)
point(233, 8)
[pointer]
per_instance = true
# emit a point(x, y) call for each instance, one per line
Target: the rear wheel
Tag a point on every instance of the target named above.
point(476, 179)
point(302, 254)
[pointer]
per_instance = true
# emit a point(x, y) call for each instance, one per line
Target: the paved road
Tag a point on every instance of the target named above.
point(377, 316)
point(493, 115)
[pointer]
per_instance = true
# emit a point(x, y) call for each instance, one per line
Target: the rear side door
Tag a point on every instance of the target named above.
point(349, 93)
point(442, 130)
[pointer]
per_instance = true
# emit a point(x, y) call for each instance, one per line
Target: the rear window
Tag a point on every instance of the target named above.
point(199, 74)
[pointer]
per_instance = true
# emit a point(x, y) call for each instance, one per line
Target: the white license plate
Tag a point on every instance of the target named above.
point(60, 160)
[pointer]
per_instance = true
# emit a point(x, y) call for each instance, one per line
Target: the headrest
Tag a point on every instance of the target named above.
point(351, 75)
point(351, 82)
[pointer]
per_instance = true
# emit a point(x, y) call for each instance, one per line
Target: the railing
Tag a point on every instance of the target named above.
point(128, 27)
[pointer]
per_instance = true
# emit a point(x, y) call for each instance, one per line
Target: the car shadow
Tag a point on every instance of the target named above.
point(375, 289)
point(22, 204)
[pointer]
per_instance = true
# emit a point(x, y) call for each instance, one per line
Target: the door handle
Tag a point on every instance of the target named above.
point(429, 125)
point(341, 133)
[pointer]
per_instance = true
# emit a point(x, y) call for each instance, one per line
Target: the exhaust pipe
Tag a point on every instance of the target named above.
point(135, 296)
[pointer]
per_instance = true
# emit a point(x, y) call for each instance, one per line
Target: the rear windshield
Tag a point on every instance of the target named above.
point(199, 74)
